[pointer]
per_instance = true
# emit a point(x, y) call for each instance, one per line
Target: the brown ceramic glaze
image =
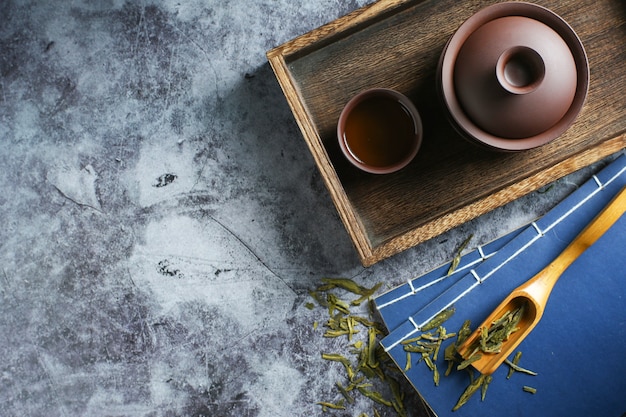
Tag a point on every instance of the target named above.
point(514, 76)
point(379, 131)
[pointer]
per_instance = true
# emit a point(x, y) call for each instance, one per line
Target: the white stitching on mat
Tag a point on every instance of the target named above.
point(481, 253)
point(597, 180)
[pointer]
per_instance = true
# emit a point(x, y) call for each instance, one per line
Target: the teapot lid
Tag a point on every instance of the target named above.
point(515, 77)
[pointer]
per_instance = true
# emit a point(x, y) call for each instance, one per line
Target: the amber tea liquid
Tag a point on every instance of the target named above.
point(380, 131)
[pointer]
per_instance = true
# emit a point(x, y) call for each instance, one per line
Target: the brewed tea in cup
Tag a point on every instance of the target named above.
point(379, 131)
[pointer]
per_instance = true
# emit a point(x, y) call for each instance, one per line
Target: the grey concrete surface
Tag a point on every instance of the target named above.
point(162, 219)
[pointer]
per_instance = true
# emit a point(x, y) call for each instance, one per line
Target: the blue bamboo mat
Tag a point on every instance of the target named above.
point(578, 347)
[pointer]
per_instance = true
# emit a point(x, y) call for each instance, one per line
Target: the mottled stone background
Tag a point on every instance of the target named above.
point(162, 219)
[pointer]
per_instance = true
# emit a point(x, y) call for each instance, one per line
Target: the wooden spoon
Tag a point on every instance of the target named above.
point(535, 292)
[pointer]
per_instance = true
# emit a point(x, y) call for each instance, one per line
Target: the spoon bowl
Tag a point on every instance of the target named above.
point(534, 293)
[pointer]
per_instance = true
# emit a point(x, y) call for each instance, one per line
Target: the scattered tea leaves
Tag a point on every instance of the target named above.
point(428, 346)
point(370, 363)
point(366, 362)
point(498, 332)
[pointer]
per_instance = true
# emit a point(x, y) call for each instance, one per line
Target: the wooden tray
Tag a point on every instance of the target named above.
point(397, 44)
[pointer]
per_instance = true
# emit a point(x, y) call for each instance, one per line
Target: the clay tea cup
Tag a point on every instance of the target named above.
point(380, 131)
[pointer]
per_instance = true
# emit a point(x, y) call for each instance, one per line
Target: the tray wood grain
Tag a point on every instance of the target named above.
point(397, 44)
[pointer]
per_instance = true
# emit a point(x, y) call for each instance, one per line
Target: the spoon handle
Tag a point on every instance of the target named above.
point(592, 232)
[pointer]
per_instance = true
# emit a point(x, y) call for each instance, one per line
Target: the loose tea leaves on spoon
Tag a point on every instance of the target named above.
point(492, 338)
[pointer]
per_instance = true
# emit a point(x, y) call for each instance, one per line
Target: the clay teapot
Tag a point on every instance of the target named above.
point(514, 76)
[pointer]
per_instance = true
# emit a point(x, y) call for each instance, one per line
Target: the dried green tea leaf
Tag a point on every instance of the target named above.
point(518, 368)
point(467, 362)
point(365, 322)
point(449, 353)
point(354, 383)
point(492, 338)
point(398, 396)
point(529, 389)
point(429, 362)
point(449, 369)
point(443, 334)
point(435, 375)
point(412, 340)
point(371, 351)
point(484, 386)
point(463, 333)
point(318, 297)
point(457, 256)
point(345, 393)
point(351, 286)
point(337, 406)
point(375, 396)
point(416, 349)
point(437, 348)
point(502, 320)
point(341, 359)
point(345, 283)
point(439, 319)
point(334, 303)
point(471, 389)
point(429, 336)
point(366, 295)
point(515, 361)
